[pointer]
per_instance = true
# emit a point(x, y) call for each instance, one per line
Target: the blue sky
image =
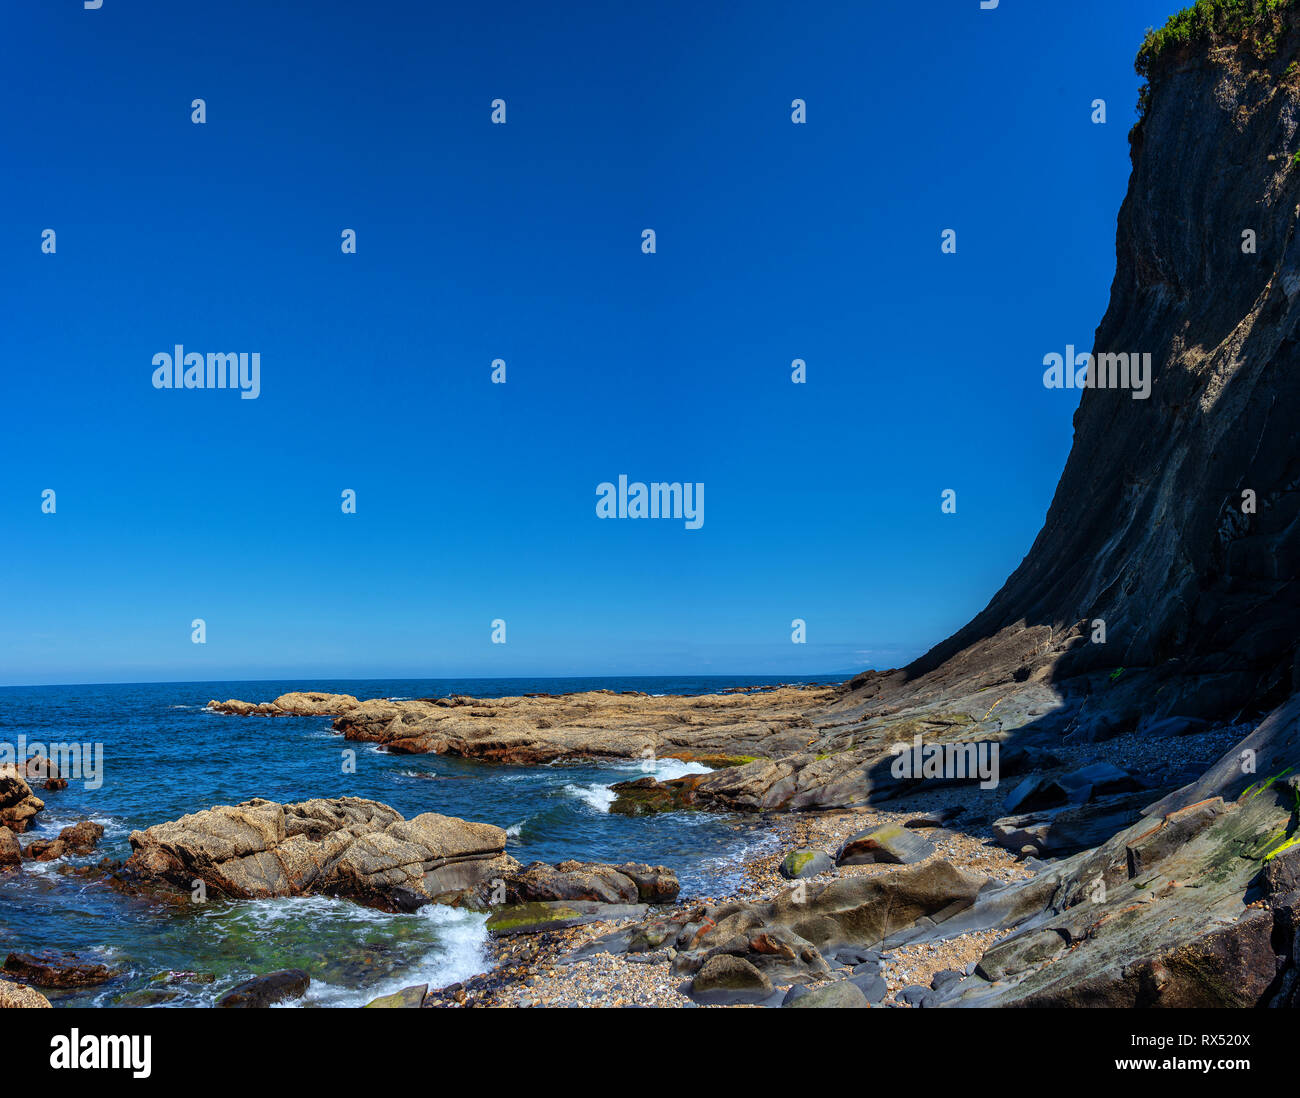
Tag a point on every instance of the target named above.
point(522, 242)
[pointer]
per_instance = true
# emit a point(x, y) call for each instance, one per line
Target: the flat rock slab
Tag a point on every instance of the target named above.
point(887, 843)
point(1082, 786)
point(541, 915)
point(1061, 831)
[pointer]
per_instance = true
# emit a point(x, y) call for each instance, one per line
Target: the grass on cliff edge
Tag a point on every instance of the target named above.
point(1208, 19)
point(1256, 20)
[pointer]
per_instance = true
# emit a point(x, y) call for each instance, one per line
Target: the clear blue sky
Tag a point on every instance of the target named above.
point(523, 242)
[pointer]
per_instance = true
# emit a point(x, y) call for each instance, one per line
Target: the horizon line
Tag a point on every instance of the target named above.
point(842, 676)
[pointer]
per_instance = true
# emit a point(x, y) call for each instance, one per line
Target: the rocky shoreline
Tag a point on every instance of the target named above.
point(543, 972)
point(568, 969)
point(1087, 796)
point(921, 895)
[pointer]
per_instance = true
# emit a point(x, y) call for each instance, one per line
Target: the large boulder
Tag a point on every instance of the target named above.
point(348, 847)
point(805, 863)
point(17, 803)
point(889, 843)
point(11, 854)
point(728, 979)
point(865, 910)
point(263, 991)
point(570, 881)
point(647, 796)
point(655, 884)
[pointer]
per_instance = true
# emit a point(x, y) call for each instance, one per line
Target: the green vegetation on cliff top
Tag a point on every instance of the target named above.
point(1208, 19)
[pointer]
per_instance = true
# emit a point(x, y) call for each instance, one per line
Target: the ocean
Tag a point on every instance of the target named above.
point(165, 755)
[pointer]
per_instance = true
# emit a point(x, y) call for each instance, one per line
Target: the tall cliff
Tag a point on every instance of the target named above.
point(1150, 529)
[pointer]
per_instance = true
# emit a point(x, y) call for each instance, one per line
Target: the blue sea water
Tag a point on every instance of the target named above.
point(166, 755)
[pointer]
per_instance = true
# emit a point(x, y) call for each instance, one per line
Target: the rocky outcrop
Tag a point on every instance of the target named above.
point(41, 770)
point(1196, 904)
point(1055, 832)
point(648, 796)
point(1176, 521)
point(719, 730)
point(347, 847)
point(787, 748)
point(366, 851)
point(52, 969)
point(79, 838)
point(795, 938)
point(17, 802)
point(294, 704)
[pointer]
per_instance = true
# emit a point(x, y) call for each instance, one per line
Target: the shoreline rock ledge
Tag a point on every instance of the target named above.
point(348, 847)
point(366, 851)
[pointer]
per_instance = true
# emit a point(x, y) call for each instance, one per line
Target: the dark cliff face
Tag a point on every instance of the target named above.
point(1147, 530)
